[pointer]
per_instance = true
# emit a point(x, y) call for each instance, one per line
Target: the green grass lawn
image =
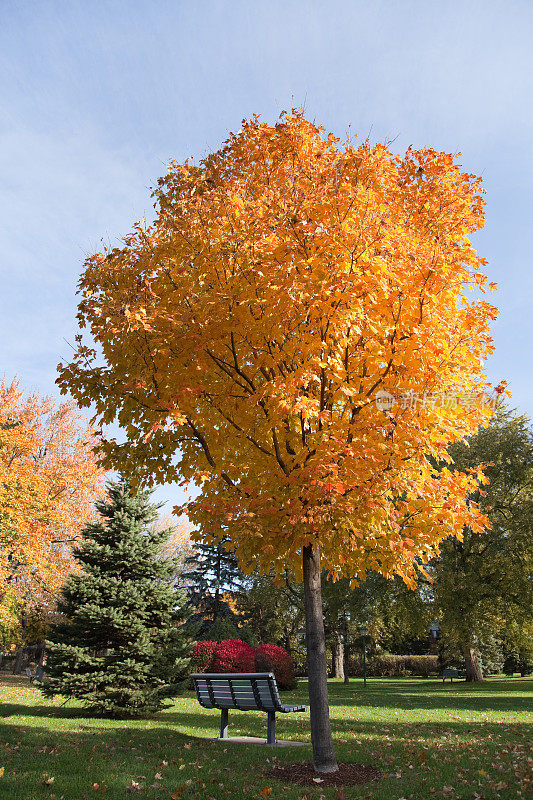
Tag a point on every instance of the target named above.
point(429, 740)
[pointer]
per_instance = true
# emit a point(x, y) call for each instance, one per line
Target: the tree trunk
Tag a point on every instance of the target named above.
point(473, 667)
point(217, 587)
point(338, 657)
point(346, 653)
point(40, 653)
point(17, 666)
point(323, 753)
point(332, 670)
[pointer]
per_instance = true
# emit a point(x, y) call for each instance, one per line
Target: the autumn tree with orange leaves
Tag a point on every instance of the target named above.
point(49, 480)
point(242, 337)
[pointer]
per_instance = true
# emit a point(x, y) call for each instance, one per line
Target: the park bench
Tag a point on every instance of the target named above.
point(244, 691)
point(37, 676)
point(450, 673)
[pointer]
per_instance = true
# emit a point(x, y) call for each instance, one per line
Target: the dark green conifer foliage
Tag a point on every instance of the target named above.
point(209, 573)
point(121, 649)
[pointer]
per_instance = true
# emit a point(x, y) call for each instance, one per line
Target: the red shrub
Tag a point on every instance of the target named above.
point(202, 656)
point(271, 658)
point(233, 655)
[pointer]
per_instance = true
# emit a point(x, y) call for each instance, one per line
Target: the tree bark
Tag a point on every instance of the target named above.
point(217, 587)
point(346, 652)
point(40, 653)
point(338, 657)
point(323, 753)
point(17, 666)
point(473, 667)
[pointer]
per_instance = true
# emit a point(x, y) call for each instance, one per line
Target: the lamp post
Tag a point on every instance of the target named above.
point(363, 630)
point(434, 630)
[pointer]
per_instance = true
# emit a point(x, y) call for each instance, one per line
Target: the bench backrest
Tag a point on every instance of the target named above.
point(450, 672)
point(244, 691)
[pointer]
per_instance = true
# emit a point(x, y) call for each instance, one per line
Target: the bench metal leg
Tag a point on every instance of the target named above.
point(224, 723)
point(271, 728)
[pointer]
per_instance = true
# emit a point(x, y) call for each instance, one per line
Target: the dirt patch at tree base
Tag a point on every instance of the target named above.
point(305, 775)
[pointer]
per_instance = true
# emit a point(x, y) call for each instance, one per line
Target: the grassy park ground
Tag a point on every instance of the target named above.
point(429, 740)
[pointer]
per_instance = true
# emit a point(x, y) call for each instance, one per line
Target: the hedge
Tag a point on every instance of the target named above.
point(387, 665)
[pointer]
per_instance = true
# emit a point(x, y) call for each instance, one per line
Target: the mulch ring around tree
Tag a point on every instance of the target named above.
point(305, 775)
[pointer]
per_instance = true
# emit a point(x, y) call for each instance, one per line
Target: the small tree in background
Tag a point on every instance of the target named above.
point(483, 579)
point(120, 649)
point(212, 574)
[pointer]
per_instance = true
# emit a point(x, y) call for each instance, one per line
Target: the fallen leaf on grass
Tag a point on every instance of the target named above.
point(1, 771)
point(265, 792)
point(178, 792)
point(318, 780)
point(134, 787)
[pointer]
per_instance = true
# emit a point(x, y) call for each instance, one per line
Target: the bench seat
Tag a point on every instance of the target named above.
point(449, 672)
point(245, 691)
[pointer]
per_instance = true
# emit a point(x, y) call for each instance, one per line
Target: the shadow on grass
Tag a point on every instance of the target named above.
point(248, 724)
point(204, 724)
point(497, 696)
point(62, 712)
point(493, 696)
point(163, 735)
point(176, 744)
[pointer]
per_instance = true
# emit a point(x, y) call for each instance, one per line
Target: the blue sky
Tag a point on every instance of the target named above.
point(96, 97)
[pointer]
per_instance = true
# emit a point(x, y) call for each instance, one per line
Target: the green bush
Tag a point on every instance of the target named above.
point(518, 661)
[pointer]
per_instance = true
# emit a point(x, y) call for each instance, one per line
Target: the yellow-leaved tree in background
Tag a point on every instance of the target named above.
point(49, 480)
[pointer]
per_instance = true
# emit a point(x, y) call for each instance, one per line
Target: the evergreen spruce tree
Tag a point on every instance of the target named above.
point(209, 573)
point(121, 649)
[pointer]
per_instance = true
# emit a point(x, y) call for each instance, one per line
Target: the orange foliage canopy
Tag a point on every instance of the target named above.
point(49, 481)
point(286, 279)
